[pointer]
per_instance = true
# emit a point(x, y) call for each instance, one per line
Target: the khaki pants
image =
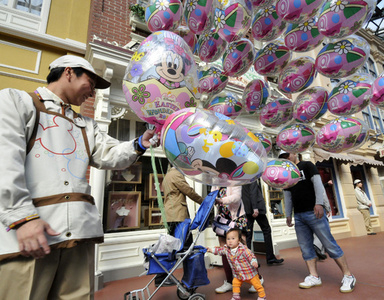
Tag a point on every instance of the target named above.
point(64, 274)
point(367, 220)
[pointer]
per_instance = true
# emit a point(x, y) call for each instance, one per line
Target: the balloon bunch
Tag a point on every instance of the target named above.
point(164, 85)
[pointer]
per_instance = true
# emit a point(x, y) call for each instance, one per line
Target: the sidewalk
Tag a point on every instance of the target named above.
point(364, 256)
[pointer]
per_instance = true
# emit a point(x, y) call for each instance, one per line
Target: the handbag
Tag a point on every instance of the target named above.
point(221, 225)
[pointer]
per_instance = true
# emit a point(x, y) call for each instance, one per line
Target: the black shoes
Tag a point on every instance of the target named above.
point(320, 255)
point(275, 261)
point(372, 233)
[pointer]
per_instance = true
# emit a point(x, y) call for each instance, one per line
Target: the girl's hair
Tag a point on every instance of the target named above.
point(235, 229)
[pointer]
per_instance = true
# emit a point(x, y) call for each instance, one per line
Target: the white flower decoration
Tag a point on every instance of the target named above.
point(219, 19)
point(338, 120)
point(271, 48)
point(214, 73)
point(338, 5)
point(346, 87)
point(306, 26)
point(162, 5)
point(297, 127)
point(191, 5)
point(287, 165)
point(267, 11)
point(343, 47)
point(230, 101)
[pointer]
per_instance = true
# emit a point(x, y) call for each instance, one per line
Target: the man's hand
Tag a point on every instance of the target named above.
point(289, 222)
point(255, 213)
point(150, 138)
point(318, 211)
point(32, 240)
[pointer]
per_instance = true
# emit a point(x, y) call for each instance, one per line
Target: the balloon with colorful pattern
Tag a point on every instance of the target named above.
point(238, 57)
point(163, 15)
point(267, 25)
point(341, 18)
point(198, 15)
point(310, 105)
point(226, 103)
point(256, 4)
point(232, 18)
point(161, 78)
point(212, 80)
point(210, 46)
point(276, 112)
point(297, 75)
point(298, 11)
point(281, 174)
point(342, 134)
point(211, 148)
point(265, 140)
point(188, 36)
point(351, 95)
point(377, 90)
point(303, 37)
point(295, 138)
point(272, 58)
point(343, 57)
point(255, 95)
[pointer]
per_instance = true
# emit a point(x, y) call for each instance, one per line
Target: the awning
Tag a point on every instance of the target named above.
point(353, 159)
point(359, 160)
point(321, 155)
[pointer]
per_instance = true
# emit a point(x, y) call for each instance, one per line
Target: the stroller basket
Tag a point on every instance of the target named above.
point(195, 273)
point(168, 261)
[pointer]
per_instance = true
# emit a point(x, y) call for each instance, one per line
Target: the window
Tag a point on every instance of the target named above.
point(369, 67)
point(25, 14)
point(373, 116)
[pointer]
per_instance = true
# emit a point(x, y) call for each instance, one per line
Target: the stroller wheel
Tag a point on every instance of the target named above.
point(185, 296)
point(197, 297)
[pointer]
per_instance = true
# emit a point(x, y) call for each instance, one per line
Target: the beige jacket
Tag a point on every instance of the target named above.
point(176, 189)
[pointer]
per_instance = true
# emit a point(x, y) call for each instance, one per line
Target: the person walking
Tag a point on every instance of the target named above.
point(49, 223)
point(307, 200)
point(363, 205)
point(255, 210)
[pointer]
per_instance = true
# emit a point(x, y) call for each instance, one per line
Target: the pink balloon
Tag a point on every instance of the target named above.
point(267, 25)
point(310, 105)
point(281, 174)
point(297, 75)
point(255, 95)
point(295, 11)
point(378, 92)
point(198, 15)
point(295, 138)
point(163, 15)
point(210, 46)
point(188, 36)
point(212, 81)
point(238, 57)
point(276, 113)
point(226, 103)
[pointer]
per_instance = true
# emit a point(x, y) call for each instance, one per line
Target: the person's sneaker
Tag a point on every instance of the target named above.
point(262, 298)
point(252, 289)
point(226, 287)
point(348, 284)
point(310, 281)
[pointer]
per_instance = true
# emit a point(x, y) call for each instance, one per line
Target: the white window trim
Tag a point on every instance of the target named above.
point(13, 17)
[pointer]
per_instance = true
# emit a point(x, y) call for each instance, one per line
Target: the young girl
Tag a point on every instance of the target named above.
point(243, 263)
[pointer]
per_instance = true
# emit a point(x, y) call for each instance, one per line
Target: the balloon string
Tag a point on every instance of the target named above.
point(157, 187)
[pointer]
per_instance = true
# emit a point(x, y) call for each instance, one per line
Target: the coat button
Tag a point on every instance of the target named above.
point(66, 182)
point(68, 234)
point(67, 197)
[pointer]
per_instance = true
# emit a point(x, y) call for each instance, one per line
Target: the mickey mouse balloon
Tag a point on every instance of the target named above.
point(161, 78)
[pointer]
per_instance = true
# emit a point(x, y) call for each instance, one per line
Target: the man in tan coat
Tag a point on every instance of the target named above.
point(363, 205)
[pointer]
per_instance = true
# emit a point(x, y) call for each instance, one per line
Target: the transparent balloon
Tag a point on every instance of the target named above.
point(377, 90)
point(210, 46)
point(266, 140)
point(276, 112)
point(295, 138)
point(296, 12)
point(211, 148)
point(188, 36)
point(281, 174)
point(255, 95)
point(161, 78)
point(163, 14)
point(342, 134)
point(297, 75)
point(272, 58)
point(226, 103)
point(310, 105)
point(303, 37)
point(267, 25)
point(198, 15)
point(342, 58)
point(351, 95)
point(238, 57)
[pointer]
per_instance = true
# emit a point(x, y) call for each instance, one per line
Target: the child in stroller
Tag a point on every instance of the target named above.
point(243, 263)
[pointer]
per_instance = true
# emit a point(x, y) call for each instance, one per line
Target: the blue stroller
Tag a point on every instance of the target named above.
point(195, 273)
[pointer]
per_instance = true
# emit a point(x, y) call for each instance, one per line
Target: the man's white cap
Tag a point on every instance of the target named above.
point(282, 152)
point(79, 62)
point(356, 181)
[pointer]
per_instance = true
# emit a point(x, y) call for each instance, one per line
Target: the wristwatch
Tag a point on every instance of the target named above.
point(138, 148)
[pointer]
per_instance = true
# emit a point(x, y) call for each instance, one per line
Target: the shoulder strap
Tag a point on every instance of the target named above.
point(39, 106)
